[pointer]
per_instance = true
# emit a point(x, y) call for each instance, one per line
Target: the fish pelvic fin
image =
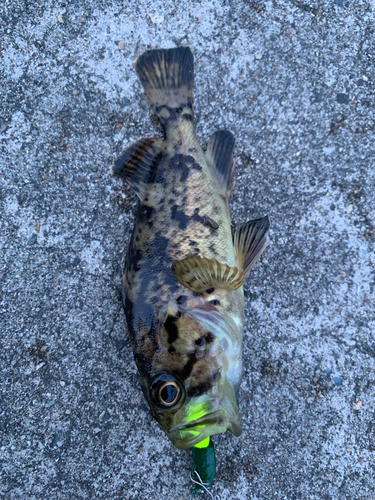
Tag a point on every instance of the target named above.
point(200, 274)
point(137, 163)
point(167, 76)
point(250, 241)
point(219, 155)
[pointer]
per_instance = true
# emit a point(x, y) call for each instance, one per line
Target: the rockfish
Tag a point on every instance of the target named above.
point(183, 279)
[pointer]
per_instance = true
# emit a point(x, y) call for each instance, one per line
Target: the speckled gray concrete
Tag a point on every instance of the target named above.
point(294, 81)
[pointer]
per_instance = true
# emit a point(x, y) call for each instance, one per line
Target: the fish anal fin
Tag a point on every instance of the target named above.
point(200, 274)
point(250, 240)
point(137, 162)
point(219, 154)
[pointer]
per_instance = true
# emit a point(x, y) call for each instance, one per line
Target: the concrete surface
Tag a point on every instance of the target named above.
point(294, 81)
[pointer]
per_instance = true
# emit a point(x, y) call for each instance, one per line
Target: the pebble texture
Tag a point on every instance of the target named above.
point(294, 81)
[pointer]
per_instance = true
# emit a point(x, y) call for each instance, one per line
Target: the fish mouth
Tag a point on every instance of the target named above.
point(188, 434)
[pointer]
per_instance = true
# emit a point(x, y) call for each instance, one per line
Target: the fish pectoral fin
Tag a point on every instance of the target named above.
point(200, 274)
point(219, 154)
point(137, 162)
point(250, 240)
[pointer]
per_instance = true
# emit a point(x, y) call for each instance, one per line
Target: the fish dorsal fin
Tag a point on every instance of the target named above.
point(200, 274)
point(137, 162)
point(219, 154)
point(250, 240)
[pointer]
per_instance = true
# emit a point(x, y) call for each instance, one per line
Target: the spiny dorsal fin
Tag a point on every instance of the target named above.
point(200, 274)
point(137, 162)
point(220, 155)
point(167, 76)
point(250, 240)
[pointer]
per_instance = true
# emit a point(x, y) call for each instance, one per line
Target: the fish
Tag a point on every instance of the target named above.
point(182, 286)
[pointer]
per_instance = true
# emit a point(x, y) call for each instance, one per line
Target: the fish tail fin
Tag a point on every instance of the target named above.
point(167, 76)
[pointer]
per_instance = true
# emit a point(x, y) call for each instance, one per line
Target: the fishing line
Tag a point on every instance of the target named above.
point(200, 482)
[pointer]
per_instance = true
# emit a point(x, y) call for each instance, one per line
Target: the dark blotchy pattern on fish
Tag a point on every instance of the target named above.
point(163, 233)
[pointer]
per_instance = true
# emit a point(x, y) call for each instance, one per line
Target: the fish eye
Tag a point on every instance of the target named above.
point(165, 390)
point(169, 393)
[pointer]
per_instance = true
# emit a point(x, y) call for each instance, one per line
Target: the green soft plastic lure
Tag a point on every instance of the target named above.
point(204, 466)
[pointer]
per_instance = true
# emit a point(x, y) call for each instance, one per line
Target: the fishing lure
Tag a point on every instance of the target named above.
point(203, 468)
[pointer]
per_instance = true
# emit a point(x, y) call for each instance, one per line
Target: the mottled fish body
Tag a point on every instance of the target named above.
point(182, 285)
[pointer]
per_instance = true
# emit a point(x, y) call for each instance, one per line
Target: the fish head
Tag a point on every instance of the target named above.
point(193, 390)
point(202, 416)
